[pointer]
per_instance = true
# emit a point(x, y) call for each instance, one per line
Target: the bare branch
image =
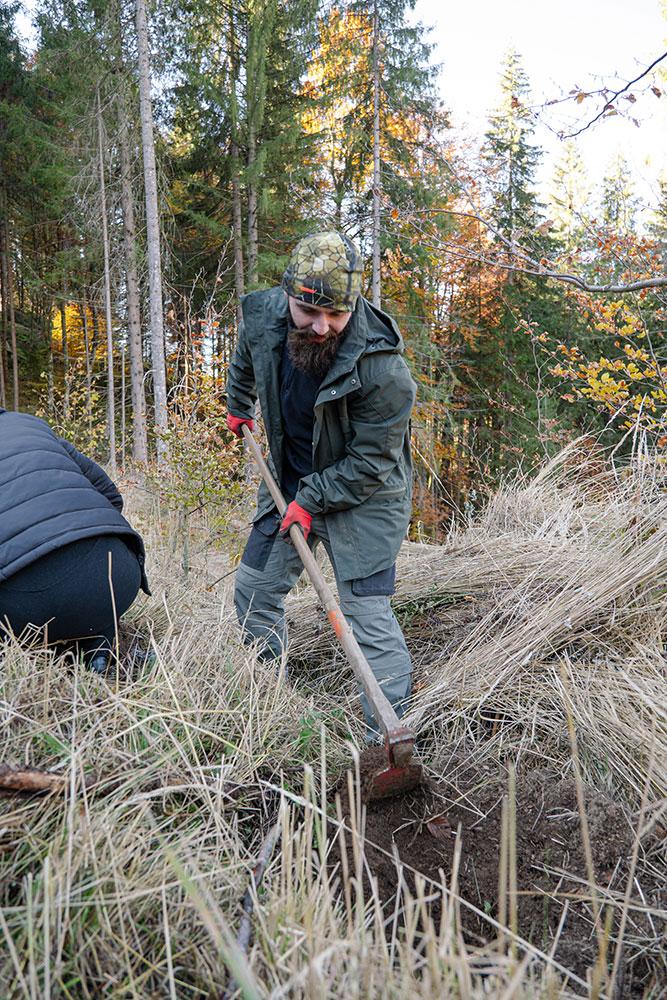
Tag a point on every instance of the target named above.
point(613, 98)
point(522, 261)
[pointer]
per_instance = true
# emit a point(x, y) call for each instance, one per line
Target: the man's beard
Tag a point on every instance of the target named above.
point(309, 356)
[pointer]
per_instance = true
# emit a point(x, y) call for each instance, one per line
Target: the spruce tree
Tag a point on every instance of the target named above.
point(503, 373)
point(511, 156)
point(568, 198)
point(370, 77)
point(618, 201)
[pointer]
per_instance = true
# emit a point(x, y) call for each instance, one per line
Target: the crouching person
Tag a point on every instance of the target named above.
point(70, 564)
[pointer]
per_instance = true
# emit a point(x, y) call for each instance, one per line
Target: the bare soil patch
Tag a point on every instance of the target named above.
point(554, 898)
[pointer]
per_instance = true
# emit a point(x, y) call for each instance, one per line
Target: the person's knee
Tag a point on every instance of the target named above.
point(372, 620)
point(363, 607)
point(248, 591)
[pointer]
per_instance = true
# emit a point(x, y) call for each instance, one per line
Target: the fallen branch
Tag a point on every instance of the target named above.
point(30, 780)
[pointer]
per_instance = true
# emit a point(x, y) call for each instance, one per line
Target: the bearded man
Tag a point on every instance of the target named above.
point(336, 397)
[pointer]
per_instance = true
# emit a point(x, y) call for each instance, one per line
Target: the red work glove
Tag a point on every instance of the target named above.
point(236, 423)
point(296, 515)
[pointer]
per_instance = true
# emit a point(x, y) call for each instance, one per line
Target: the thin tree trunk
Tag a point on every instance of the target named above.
point(12, 317)
point(111, 405)
point(261, 22)
point(377, 180)
point(253, 238)
point(187, 345)
point(152, 233)
point(139, 436)
point(96, 333)
point(50, 397)
point(122, 405)
point(237, 215)
point(4, 282)
point(65, 356)
point(86, 347)
point(253, 86)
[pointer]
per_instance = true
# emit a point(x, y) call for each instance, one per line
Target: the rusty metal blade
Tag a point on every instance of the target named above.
point(393, 781)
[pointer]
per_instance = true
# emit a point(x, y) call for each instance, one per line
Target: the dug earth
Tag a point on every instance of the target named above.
point(462, 815)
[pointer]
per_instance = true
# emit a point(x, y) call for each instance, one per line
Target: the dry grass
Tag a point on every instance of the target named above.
point(542, 620)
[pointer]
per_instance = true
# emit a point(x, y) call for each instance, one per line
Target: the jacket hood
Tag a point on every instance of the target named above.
point(381, 329)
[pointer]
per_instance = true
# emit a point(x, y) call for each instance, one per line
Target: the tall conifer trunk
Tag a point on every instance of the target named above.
point(111, 405)
point(253, 238)
point(50, 392)
point(237, 214)
point(139, 436)
point(152, 233)
point(12, 317)
point(64, 354)
point(261, 20)
point(86, 347)
point(8, 314)
point(4, 282)
point(377, 180)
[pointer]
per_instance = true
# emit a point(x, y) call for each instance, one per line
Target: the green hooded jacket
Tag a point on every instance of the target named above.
point(362, 481)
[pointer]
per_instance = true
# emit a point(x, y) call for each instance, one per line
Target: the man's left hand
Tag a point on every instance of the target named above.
point(296, 515)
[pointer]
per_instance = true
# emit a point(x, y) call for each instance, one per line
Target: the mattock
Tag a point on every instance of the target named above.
point(401, 773)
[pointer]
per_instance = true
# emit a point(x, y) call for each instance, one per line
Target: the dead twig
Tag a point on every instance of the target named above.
point(30, 780)
point(248, 902)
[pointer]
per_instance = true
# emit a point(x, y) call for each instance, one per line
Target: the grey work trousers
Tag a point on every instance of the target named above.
point(271, 566)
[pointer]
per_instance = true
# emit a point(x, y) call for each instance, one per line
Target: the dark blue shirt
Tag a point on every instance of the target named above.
point(298, 393)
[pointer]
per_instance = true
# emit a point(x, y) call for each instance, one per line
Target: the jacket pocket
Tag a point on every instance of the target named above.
point(380, 584)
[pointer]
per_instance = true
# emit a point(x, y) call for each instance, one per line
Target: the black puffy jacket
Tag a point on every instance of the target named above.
point(51, 495)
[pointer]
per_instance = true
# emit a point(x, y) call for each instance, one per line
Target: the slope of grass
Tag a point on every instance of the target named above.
point(537, 634)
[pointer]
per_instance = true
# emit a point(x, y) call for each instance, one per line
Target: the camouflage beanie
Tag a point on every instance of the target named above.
point(325, 270)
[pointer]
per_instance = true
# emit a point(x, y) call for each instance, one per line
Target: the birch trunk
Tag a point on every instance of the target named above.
point(152, 233)
point(377, 180)
point(111, 405)
point(139, 436)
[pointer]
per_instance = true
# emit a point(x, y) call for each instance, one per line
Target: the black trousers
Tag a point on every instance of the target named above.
point(68, 593)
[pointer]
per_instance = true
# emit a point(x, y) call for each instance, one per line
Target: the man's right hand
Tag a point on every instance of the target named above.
point(236, 423)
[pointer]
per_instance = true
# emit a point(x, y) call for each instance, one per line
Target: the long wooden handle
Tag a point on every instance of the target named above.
point(382, 709)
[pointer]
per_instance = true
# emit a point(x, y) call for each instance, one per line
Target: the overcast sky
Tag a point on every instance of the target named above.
point(564, 44)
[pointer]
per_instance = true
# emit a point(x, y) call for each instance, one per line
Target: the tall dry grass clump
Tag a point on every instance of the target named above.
point(538, 638)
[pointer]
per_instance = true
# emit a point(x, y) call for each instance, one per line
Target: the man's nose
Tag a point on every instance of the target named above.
point(320, 325)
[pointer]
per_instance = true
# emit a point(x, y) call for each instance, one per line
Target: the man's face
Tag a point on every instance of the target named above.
point(317, 323)
point(315, 336)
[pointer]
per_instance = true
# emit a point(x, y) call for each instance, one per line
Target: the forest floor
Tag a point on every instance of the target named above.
point(531, 863)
